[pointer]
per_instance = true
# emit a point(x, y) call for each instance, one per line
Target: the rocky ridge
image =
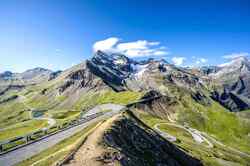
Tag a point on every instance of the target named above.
point(232, 82)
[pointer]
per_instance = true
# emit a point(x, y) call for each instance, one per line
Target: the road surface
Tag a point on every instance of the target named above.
point(164, 134)
point(30, 150)
point(197, 136)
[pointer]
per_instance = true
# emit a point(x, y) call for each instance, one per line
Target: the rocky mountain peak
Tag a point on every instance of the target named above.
point(35, 72)
point(236, 67)
point(112, 68)
point(233, 78)
point(6, 75)
point(236, 62)
point(37, 69)
point(114, 60)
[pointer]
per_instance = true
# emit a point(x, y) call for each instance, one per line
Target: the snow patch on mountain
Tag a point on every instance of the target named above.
point(139, 70)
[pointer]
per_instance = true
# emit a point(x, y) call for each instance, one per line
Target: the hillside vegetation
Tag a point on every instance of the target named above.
point(223, 129)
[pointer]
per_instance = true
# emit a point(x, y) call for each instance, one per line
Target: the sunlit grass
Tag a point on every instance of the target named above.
point(185, 141)
point(12, 112)
point(21, 129)
point(54, 154)
point(107, 96)
point(216, 121)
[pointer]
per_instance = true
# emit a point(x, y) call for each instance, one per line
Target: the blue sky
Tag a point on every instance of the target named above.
point(57, 34)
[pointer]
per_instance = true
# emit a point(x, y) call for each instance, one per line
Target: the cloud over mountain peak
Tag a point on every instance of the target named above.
point(139, 48)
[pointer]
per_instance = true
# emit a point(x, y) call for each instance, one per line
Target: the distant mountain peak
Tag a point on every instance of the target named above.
point(37, 69)
point(236, 62)
point(6, 74)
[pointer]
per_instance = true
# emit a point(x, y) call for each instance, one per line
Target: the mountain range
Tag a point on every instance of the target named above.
point(227, 83)
point(213, 100)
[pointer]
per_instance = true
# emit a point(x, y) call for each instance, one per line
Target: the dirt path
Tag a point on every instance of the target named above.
point(91, 149)
point(30, 150)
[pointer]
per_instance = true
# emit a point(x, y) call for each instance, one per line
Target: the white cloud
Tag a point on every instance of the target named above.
point(201, 61)
point(178, 60)
point(140, 48)
point(137, 45)
point(160, 52)
point(236, 55)
point(106, 45)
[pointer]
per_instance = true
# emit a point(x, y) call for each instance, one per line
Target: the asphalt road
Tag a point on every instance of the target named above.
point(164, 134)
point(30, 150)
point(197, 136)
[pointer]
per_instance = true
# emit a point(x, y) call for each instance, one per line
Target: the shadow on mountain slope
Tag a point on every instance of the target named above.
point(125, 140)
point(135, 144)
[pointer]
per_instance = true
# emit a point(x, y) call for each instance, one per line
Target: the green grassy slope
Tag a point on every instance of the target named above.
point(217, 121)
point(216, 156)
point(12, 112)
point(233, 130)
point(15, 114)
point(21, 129)
point(213, 119)
point(106, 96)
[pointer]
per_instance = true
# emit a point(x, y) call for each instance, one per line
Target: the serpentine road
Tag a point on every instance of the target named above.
point(30, 150)
point(197, 136)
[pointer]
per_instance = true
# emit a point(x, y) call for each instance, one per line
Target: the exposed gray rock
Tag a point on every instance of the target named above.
point(235, 97)
point(11, 87)
point(81, 78)
point(8, 99)
point(113, 69)
point(137, 145)
point(201, 98)
point(32, 73)
point(55, 74)
point(232, 82)
point(206, 70)
point(6, 75)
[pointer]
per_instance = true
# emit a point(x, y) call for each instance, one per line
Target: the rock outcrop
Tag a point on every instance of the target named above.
point(236, 96)
point(113, 69)
point(156, 104)
point(135, 144)
point(125, 140)
point(232, 83)
point(80, 77)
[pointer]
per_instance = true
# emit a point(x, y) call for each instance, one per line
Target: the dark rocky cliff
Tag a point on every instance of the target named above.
point(137, 145)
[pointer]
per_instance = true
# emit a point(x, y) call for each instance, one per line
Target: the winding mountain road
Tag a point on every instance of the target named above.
point(164, 134)
point(197, 135)
point(30, 150)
